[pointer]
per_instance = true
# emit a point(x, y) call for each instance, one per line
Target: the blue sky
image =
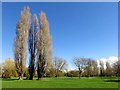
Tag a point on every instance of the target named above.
point(77, 29)
point(1, 31)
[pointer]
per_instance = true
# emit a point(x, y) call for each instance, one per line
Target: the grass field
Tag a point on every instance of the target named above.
point(62, 82)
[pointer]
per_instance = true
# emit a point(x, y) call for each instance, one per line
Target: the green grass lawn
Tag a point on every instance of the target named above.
point(62, 82)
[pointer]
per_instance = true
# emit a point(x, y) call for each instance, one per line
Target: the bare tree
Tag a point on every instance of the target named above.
point(108, 70)
point(59, 64)
point(101, 68)
point(80, 63)
point(32, 43)
point(95, 68)
point(91, 67)
point(116, 68)
point(45, 48)
point(23, 26)
point(1, 69)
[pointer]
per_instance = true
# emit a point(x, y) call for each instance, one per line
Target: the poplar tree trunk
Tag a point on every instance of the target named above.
point(20, 76)
point(39, 76)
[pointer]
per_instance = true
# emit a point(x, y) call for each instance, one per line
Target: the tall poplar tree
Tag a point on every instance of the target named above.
point(33, 43)
point(45, 48)
point(20, 53)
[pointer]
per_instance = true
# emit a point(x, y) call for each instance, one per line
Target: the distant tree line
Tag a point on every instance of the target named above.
point(88, 68)
point(34, 34)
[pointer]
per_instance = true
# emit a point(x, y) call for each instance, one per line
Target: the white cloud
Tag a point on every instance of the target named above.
point(72, 68)
point(111, 60)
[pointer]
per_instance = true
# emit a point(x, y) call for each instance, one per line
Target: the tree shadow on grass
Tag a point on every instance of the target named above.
point(112, 81)
point(8, 79)
point(11, 79)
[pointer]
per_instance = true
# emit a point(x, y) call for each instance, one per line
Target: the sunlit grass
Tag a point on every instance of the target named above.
point(62, 82)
